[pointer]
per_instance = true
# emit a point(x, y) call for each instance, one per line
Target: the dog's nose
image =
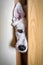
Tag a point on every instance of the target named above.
point(21, 47)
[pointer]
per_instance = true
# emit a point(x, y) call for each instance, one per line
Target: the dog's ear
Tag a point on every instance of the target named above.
point(18, 11)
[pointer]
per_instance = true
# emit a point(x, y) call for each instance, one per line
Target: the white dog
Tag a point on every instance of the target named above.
point(19, 24)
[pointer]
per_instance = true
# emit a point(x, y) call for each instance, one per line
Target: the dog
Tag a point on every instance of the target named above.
point(19, 23)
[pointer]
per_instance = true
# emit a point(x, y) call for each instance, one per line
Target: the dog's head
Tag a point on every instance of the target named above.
point(19, 24)
point(20, 27)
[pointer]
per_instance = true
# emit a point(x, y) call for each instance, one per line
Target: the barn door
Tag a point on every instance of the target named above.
point(35, 32)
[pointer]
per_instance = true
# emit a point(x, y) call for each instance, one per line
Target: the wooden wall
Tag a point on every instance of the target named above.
point(35, 32)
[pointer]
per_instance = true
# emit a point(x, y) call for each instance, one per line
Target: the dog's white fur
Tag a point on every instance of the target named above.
point(19, 24)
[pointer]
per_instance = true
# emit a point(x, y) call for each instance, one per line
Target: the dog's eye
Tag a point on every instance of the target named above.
point(20, 31)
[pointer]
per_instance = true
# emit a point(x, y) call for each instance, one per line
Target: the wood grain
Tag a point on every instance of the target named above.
point(35, 32)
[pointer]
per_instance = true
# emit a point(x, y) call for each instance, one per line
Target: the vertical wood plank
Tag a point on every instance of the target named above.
point(35, 32)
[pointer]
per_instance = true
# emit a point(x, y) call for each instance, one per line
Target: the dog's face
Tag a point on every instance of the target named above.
point(21, 43)
point(19, 23)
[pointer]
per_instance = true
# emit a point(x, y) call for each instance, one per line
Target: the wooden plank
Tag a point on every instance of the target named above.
point(35, 32)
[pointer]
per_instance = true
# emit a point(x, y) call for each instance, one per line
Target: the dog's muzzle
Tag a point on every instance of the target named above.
point(21, 44)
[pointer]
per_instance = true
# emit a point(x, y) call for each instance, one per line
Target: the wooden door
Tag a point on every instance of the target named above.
point(35, 32)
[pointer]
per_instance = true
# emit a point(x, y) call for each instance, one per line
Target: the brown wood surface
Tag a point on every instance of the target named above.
point(35, 32)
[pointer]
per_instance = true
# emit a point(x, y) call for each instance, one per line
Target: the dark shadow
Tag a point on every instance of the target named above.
point(24, 59)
